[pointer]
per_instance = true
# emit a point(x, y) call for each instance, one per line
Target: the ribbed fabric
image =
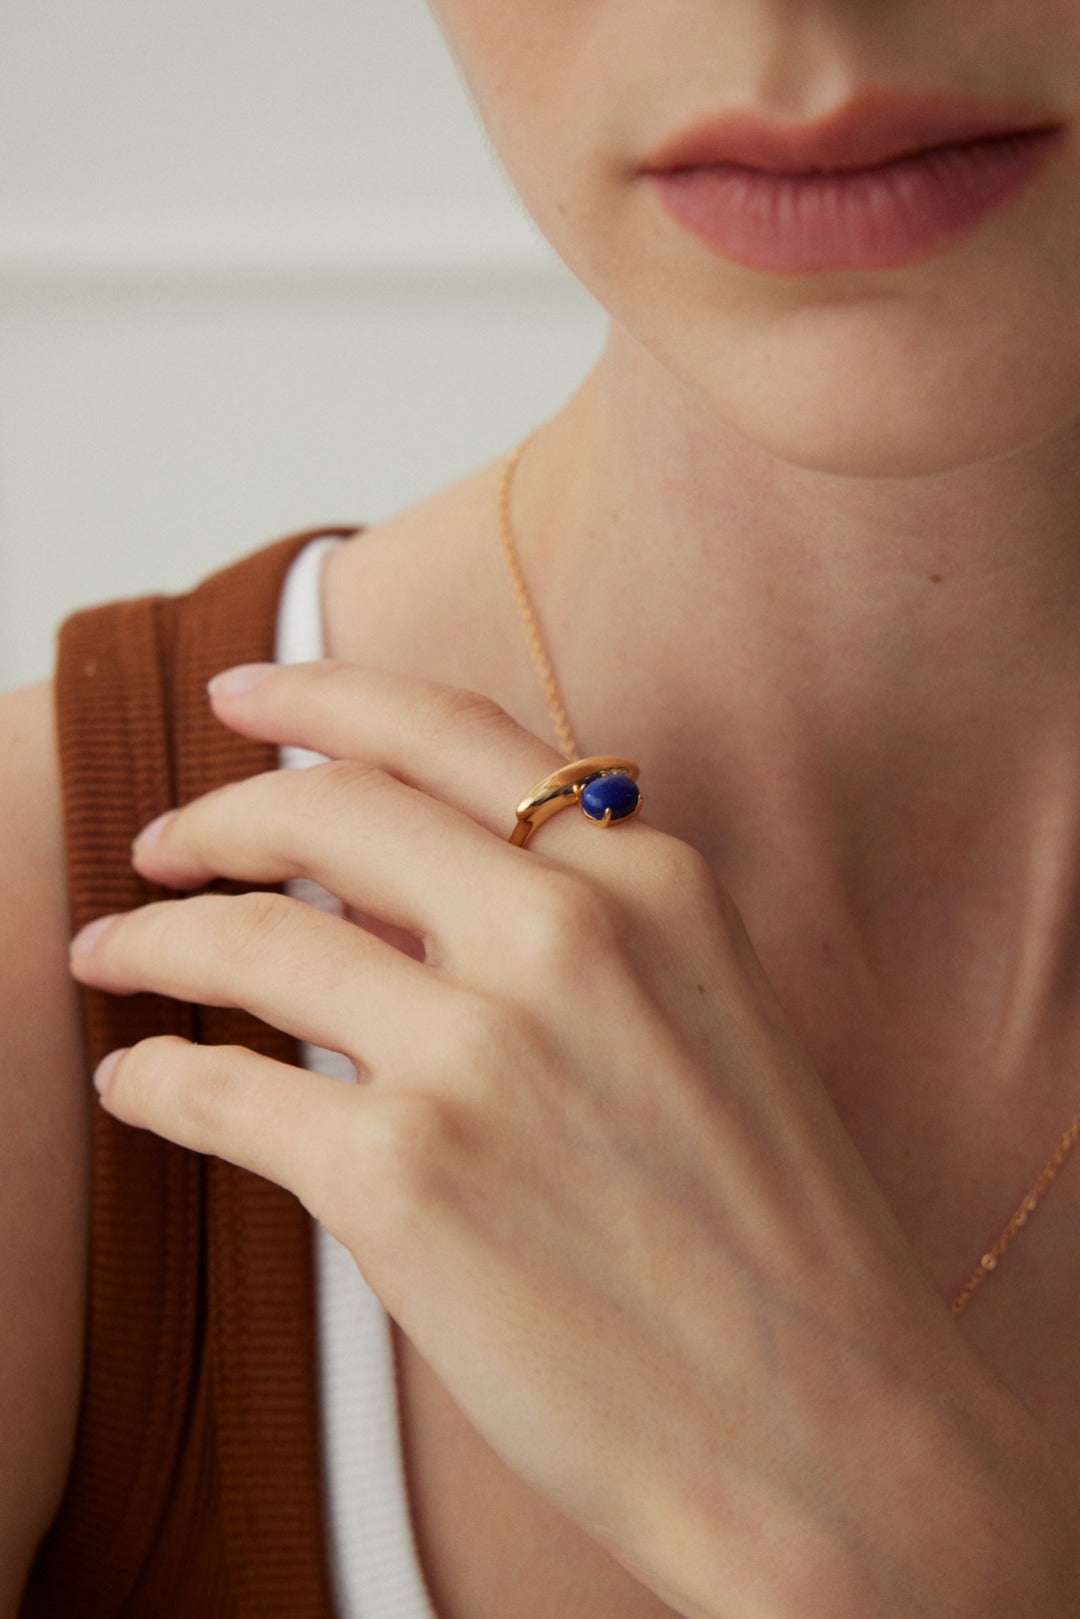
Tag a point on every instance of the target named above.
point(195, 1488)
point(375, 1570)
point(374, 1564)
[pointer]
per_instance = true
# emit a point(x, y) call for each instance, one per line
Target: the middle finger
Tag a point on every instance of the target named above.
point(382, 847)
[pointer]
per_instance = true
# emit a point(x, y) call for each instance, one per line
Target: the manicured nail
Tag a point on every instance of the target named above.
point(106, 1068)
point(151, 832)
point(86, 936)
point(234, 682)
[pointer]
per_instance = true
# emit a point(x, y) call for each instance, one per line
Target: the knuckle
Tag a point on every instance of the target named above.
point(156, 1076)
point(681, 869)
point(568, 921)
point(200, 1082)
point(254, 918)
point(147, 933)
point(483, 1030)
point(328, 670)
point(139, 1062)
point(686, 894)
point(450, 1045)
point(335, 778)
point(194, 1095)
point(682, 880)
point(308, 799)
point(460, 710)
point(412, 1141)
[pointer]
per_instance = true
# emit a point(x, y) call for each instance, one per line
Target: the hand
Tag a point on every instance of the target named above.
point(589, 1170)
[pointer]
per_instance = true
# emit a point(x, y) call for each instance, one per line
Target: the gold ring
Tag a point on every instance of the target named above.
point(605, 787)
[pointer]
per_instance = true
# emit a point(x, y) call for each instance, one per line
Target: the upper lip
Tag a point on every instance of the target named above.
point(873, 127)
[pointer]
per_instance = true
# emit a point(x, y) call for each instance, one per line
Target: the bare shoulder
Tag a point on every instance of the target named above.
point(399, 594)
point(44, 1136)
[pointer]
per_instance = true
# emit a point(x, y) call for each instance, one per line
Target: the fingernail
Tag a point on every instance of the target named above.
point(151, 832)
point(234, 682)
point(106, 1068)
point(86, 936)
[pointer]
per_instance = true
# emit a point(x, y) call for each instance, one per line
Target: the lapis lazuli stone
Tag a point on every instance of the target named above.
point(617, 793)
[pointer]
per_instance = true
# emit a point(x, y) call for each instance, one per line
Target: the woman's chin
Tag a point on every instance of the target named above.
point(861, 419)
point(859, 446)
point(905, 384)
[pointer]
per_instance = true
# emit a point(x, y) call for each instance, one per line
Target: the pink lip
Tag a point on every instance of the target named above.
point(886, 179)
point(871, 128)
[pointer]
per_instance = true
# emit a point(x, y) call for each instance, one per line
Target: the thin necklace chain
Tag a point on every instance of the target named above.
point(532, 629)
point(1027, 1206)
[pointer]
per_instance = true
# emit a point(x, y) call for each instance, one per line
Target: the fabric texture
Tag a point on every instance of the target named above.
point(374, 1567)
point(195, 1485)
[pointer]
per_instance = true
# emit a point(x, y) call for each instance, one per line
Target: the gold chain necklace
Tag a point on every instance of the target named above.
point(990, 1258)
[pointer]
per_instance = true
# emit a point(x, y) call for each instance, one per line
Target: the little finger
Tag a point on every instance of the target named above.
point(303, 1130)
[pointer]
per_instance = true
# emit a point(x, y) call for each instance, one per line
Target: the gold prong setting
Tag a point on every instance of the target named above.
point(609, 797)
point(605, 787)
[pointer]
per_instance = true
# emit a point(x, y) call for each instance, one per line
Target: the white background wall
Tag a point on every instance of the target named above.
point(258, 270)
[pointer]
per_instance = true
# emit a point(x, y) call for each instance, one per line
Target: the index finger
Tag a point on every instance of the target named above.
point(457, 745)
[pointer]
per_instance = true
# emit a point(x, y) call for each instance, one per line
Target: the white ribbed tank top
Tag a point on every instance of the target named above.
point(374, 1568)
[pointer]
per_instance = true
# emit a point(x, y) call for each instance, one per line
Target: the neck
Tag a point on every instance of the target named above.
point(913, 636)
point(888, 727)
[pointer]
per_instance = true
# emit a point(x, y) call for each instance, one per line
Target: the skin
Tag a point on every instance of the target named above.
point(856, 496)
point(45, 1110)
point(759, 1332)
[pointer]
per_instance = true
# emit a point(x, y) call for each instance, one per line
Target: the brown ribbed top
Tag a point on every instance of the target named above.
point(196, 1485)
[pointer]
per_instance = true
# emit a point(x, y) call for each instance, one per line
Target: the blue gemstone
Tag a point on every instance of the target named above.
point(617, 793)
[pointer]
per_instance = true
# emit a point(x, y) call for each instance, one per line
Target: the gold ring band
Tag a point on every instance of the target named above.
point(602, 780)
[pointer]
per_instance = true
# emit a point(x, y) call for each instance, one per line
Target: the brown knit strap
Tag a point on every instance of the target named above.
point(262, 1339)
point(189, 1258)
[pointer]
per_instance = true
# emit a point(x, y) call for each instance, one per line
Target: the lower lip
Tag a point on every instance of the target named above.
point(857, 219)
